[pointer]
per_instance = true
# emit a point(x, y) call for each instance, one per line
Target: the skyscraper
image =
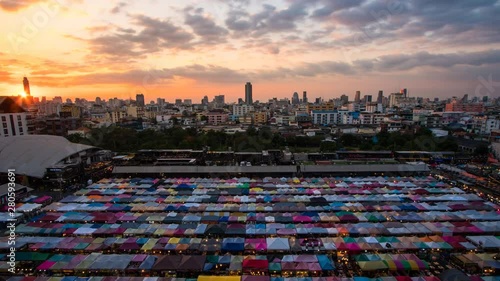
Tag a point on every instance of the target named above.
point(139, 99)
point(465, 98)
point(344, 99)
point(219, 100)
point(404, 92)
point(380, 97)
point(248, 93)
point(295, 98)
point(304, 97)
point(357, 97)
point(204, 101)
point(26, 85)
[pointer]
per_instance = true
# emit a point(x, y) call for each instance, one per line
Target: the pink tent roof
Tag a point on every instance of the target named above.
point(46, 265)
point(139, 258)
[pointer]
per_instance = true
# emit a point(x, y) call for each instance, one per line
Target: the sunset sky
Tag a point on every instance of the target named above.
point(189, 49)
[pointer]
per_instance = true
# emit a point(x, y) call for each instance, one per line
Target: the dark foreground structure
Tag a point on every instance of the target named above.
point(282, 170)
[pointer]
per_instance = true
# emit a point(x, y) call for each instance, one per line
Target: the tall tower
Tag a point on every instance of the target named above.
point(139, 99)
point(304, 97)
point(380, 97)
point(248, 93)
point(404, 92)
point(357, 97)
point(295, 98)
point(26, 85)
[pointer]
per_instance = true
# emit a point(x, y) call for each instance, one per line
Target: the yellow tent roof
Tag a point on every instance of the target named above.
point(218, 278)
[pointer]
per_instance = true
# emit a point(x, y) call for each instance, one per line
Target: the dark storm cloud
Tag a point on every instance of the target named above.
point(388, 64)
point(152, 35)
point(204, 26)
point(425, 59)
point(330, 7)
point(443, 22)
point(160, 33)
point(268, 20)
point(118, 8)
point(202, 73)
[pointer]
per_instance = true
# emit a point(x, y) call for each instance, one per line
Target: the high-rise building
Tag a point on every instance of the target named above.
point(404, 92)
point(13, 118)
point(380, 97)
point(219, 100)
point(465, 98)
point(248, 93)
point(357, 97)
point(395, 98)
point(304, 97)
point(98, 100)
point(344, 99)
point(295, 98)
point(26, 85)
point(367, 98)
point(160, 101)
point(139, 100)
point(178, 102)
point(204, 101)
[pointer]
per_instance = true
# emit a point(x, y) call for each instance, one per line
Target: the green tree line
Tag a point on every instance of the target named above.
point(120, 139)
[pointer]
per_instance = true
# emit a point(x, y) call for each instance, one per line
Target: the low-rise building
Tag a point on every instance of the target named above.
point(217, 118)
point(260, 117)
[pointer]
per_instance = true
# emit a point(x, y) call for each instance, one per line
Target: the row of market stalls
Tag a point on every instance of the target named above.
point(249, 245)
point(190, 227)
point(328, 185)
point(317, 204)
point(236, 264)
point(274, 215)
point(239, 278)
point(126, 229)
point(206, 197)
point(97, 263)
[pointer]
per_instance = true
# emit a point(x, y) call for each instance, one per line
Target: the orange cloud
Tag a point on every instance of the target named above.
point(16, 5)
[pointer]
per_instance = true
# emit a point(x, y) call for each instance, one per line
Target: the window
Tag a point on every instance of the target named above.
point(19, 117)
point(4, 119)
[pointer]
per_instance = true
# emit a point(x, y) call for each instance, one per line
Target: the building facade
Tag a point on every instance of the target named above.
point(13, 118)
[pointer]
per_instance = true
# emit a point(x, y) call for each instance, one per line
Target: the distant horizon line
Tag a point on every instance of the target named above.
point(310, 100)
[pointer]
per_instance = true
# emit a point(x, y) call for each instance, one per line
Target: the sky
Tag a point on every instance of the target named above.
point(192, 48)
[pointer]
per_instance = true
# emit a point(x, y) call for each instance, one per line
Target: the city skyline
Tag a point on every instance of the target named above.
point(190, 50)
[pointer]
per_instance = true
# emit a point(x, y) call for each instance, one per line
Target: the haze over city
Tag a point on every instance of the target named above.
point(190, 49)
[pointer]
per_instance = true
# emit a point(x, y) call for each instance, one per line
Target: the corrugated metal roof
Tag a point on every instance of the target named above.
point(31, 155)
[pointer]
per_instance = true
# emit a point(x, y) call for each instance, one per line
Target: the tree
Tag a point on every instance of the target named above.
point(328, 146)
point(251, 131)
point(76, 138)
